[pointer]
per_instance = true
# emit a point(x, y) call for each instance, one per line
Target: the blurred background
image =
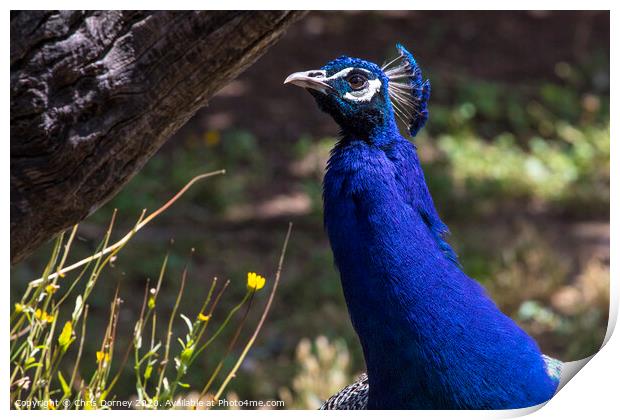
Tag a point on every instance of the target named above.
point(516, 154)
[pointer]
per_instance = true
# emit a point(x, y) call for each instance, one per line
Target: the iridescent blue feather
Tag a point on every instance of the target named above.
point(408, 91)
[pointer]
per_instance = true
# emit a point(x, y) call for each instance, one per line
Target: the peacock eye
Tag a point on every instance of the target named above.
point(357, 81)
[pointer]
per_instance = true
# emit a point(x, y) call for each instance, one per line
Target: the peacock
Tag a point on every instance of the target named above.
point(431, 336)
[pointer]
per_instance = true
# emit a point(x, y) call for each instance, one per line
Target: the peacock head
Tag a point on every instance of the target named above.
point(364, 98)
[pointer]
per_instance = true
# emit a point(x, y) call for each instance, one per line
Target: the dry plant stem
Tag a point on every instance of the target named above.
point(39, 327)
point(204, 307)
point(218, 297)
point(180, 372)
point(222, 326)
point(67, 249)
point(211, 311)
point(35, 380)
point(80, 349)
point(85, 269)
point(169, 335)
point(153, 334)
point(209, 295)
point(21, 333)
point(41, 378)
point(97, 383)
point(75, 283)
point(128, 236)
point(130, 347)
point(20, 354)
point(141, 325)
point(232, 343)
point(110, 344)
point(48, 268)
point(205, 324)
point(32, 301)
point(235, 368)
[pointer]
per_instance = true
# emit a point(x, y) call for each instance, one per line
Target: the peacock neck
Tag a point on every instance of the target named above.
point(423, 324)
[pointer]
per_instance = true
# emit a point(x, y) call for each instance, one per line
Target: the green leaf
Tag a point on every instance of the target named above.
point(65, 387)
point(28, 366)
point(148, 371)
point(186, 354)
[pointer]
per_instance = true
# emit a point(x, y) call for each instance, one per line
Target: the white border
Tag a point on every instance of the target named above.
point(593, 393)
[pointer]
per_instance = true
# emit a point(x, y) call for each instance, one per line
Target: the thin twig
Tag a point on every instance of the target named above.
point(126, 238)
point(164, 363)
point(233, 371)
point(80, 348)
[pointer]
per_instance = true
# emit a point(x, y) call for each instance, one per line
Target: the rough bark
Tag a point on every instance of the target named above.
point(95, 94)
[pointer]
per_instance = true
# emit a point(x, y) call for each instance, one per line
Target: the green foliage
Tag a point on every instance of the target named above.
point(47, 367)
point(572, 169)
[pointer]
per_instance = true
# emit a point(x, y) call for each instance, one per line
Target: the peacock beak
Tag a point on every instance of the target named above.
point(312, 79)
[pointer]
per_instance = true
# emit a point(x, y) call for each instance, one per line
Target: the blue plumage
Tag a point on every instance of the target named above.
point(411, 77)
point(432, 338)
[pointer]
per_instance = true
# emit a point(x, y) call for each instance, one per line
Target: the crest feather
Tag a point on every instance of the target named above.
point(409, 94)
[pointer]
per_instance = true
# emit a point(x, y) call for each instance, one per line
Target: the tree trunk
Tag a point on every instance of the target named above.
point(95, 94)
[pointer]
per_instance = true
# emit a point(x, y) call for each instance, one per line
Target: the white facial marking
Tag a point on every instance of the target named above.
point(364, 95)
point(341, 73)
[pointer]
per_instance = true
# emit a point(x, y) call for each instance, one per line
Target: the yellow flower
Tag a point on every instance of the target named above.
point(203, 317)
point(102, 356)
point(19, 308)
point(51, 289)
point(43, 316)
point(66, 336)
point(151, 301)
point(255, 282)
point(211, 138)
